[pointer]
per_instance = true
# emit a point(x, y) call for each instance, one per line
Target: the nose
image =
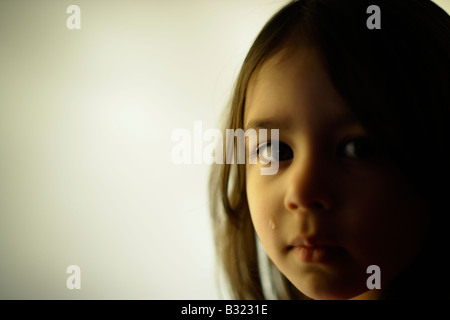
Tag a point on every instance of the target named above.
point(310, 185)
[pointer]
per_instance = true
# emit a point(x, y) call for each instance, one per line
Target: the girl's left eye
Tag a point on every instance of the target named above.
point(358, 148)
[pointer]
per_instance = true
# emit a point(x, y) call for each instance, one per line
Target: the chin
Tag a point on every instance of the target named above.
point(331, 290)
point(328, 294)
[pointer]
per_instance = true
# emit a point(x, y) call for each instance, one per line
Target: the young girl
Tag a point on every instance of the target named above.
point(363, 155)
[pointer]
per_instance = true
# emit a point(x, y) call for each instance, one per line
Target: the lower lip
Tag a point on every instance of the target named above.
point(317, 254)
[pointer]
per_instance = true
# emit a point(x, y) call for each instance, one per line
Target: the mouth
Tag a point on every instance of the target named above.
point(308, 250)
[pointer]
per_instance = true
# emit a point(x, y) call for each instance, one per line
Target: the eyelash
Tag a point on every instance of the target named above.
point(282, 149)
point(367, 149)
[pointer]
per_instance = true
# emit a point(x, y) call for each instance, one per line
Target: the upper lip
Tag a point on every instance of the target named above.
point(307, 242)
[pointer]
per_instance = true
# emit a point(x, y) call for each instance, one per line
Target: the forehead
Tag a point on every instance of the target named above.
point(292, 84)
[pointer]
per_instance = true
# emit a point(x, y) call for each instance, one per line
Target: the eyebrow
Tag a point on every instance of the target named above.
point(344, 119)
point(267, 123)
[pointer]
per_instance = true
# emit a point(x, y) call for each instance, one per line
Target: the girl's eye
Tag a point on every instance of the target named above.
point(268, 154)
point(358, 148)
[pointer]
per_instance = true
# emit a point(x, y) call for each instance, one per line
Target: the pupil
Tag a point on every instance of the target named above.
point(360, 149)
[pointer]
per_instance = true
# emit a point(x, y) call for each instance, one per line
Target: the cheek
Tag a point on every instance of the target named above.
point(265, 206)
point(386, 225)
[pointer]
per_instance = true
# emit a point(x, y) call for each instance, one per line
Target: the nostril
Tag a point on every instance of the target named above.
point(316, 206)
point(292, 206)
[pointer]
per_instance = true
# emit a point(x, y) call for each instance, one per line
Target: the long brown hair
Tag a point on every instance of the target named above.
point(395, 80)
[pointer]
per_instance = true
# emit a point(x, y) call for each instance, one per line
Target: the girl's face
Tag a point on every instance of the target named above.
point(336, 205)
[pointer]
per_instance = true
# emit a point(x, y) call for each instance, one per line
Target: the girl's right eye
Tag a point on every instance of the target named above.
point(268, 154)
point(360, 148)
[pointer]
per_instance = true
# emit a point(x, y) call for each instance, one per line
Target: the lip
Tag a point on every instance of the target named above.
point(309, 250)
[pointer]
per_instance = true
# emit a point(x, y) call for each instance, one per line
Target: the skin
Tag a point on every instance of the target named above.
point(329, 189)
